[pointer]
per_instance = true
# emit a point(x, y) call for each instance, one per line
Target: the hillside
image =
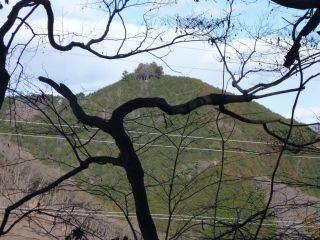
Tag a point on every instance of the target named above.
point(182, 155)
point(178, 90)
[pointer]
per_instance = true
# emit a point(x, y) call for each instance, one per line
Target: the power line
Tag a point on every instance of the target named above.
point(171, 65)
point(163, 146)
point(156, 216)
point(149, 133)
point(133, 61)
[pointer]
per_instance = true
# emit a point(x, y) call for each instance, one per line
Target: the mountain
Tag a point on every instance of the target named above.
point(180, 89)
point(181, 155)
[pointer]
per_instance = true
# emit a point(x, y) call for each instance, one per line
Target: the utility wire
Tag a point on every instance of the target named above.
point(162, 146)
point(157, 216)
point(147, 133)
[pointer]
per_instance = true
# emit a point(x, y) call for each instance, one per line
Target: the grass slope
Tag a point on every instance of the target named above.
point(176, 167)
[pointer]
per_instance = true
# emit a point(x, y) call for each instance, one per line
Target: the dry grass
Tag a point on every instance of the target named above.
point(21, 173)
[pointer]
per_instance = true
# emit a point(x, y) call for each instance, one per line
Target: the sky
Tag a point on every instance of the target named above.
point(83, 72)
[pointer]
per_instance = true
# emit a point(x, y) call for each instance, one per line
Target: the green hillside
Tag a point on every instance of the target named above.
point(180, 89)
point(181, 155)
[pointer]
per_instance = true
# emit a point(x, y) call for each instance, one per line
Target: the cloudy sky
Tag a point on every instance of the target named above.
point(83, 72)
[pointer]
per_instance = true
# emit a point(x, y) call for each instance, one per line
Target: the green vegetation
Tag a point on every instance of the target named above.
point(172, 161)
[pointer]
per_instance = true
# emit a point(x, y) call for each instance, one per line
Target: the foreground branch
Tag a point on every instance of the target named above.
point(298, 4)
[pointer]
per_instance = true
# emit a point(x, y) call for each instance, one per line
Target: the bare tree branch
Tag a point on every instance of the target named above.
point(298, 4)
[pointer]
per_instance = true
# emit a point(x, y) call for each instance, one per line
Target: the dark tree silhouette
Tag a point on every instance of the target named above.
point(250, 62)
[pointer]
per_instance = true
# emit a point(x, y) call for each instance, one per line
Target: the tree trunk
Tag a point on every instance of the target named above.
point(145, 221)
point(4, 80)
point(135, 175)
point(4, 75)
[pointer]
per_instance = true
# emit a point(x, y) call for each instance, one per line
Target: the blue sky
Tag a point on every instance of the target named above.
point(83, 72)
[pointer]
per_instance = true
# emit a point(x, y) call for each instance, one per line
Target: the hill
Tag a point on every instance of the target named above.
point(182, 155)
point(252, 138)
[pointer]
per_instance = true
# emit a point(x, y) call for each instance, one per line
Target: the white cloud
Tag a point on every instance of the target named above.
point(306, 114)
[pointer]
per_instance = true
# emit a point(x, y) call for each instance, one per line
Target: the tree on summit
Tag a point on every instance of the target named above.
point(148, 71)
